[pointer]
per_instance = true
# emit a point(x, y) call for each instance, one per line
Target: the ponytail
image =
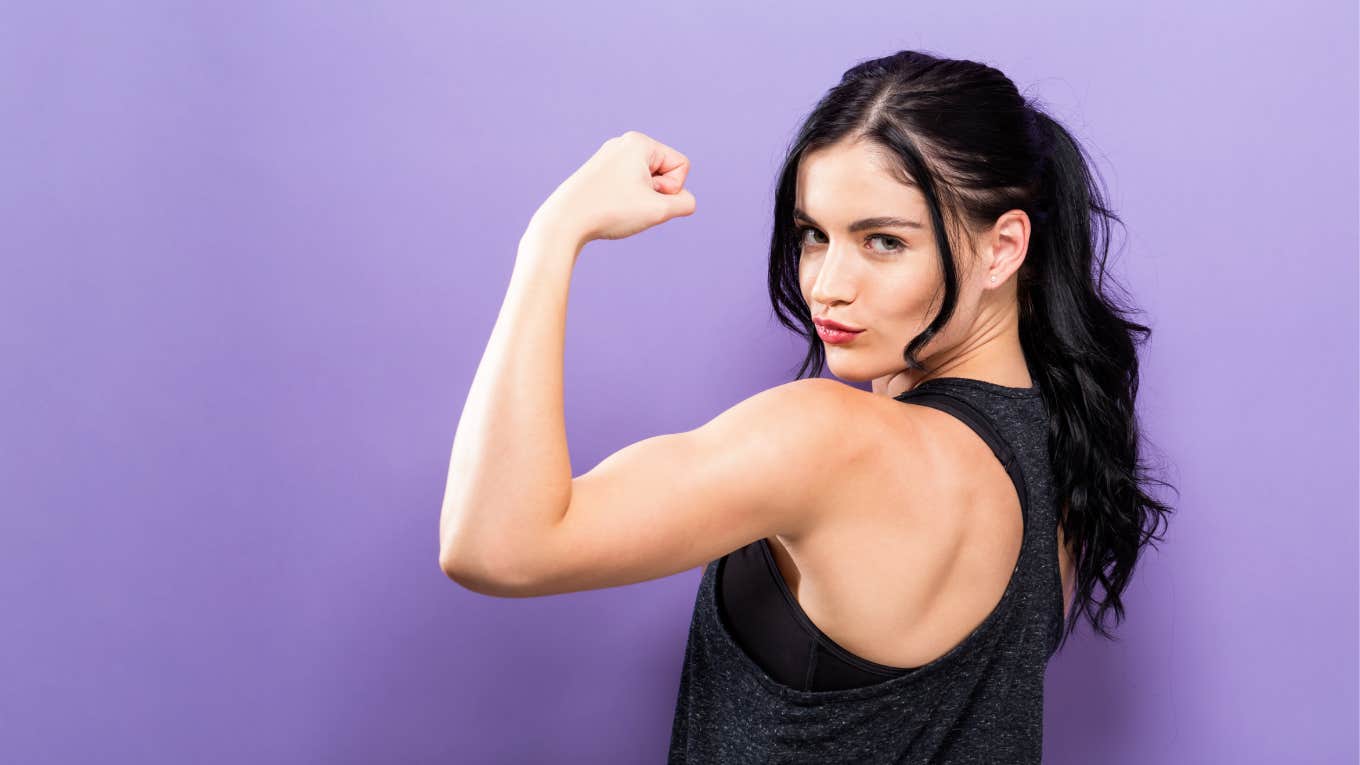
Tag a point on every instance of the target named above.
point(1082, 348)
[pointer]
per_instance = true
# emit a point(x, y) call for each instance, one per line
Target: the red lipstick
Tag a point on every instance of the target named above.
point(834, 332)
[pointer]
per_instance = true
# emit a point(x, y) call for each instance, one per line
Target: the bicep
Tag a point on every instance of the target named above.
point(672, 502)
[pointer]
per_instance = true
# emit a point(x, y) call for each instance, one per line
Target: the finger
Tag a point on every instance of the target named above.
point(667, 184)
point(670, 183)
point(668, 167)
point(680, 204)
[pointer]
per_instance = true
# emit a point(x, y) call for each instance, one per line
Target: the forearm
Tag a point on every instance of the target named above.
point(509, 473)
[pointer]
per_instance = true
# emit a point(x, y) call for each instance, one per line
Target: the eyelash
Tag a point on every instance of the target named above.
point(801, 231)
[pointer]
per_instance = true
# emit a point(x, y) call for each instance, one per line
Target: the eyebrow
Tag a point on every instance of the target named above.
point(866, 223)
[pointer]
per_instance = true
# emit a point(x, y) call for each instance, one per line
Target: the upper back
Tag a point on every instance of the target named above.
point(913, 553)
point(981, 687)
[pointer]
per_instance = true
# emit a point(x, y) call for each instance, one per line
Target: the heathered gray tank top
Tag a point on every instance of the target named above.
point(980, 702)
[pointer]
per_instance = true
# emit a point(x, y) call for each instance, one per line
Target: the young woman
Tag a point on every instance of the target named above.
point(886, 574)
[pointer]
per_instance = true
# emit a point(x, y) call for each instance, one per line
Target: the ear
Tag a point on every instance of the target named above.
point(1008, 242)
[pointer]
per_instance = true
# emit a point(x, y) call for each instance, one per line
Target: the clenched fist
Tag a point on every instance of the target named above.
point(631, 183)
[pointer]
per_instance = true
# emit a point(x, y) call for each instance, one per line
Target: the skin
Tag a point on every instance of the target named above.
point(888, 281)
point(893, 523)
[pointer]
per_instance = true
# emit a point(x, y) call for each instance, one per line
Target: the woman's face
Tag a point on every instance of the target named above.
point(883, 277)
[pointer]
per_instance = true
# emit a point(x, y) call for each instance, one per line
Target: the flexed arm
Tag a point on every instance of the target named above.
point(509, 477)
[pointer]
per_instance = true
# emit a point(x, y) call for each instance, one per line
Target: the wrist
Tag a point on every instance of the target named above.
point(545, 248)
point(553, 229)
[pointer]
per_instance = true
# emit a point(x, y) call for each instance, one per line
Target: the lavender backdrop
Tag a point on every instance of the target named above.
point(252, 252)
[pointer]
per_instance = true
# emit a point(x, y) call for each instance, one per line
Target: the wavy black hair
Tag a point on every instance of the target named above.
point(961, 133)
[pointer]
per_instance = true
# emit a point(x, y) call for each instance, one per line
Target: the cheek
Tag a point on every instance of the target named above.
point(806, 277)
point(911, 304)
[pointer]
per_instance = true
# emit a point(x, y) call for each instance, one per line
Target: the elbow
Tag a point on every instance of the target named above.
point(459, 568)
point(457, 562)
point(451, 568)
point(484, 578)
point(469, 579)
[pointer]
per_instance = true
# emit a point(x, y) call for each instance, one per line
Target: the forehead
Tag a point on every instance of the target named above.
point(852, 179)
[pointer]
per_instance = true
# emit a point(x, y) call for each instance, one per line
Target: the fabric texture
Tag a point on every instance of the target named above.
point(980, 702)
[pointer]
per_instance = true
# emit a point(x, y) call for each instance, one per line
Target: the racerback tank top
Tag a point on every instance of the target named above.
point(761, 683)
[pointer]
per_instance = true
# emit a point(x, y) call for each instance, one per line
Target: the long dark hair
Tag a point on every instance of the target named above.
point(963, 135)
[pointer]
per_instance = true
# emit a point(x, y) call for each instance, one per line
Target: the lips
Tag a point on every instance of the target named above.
point(829, 324)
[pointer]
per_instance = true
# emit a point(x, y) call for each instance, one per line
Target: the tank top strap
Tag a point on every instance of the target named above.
point(982, 424)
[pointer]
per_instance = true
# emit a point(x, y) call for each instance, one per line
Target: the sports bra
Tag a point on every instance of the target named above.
point(767, 621)
point(765, 618)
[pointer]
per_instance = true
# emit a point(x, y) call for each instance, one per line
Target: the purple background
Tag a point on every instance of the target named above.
point(253, 252)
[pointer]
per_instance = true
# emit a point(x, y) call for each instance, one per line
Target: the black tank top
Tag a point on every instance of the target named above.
point(761, 683)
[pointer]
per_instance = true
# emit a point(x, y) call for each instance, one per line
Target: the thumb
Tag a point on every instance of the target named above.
point(678, 204)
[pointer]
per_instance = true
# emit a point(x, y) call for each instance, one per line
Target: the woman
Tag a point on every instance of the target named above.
point(887, 573)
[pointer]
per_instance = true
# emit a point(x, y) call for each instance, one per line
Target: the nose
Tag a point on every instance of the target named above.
point(835, 277)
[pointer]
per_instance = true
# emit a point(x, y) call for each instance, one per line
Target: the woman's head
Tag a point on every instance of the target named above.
point(869, 257)
point(998, 188)
point(952, 145)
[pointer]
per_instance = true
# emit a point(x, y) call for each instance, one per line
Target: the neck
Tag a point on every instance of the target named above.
point(992, 354)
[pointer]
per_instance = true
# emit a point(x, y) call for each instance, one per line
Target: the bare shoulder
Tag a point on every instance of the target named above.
point(832, 436)
point(812, 436)
point(813, 406)
point(896, 458)
point(846, 426)
point(822, 418)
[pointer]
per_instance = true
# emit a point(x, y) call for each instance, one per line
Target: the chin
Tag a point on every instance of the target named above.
point(853, 373)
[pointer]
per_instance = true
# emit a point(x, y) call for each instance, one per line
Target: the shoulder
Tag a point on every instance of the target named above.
point(819, 439)
point(814, 400)
point(810, 416)
point(830, 422)
point(847, 418)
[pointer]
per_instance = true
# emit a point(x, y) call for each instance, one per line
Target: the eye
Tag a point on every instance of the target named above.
point(894, 244)
point(897, 243)
point(802, 233)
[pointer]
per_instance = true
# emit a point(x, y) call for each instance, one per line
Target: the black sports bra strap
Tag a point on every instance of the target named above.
point(983, 426)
